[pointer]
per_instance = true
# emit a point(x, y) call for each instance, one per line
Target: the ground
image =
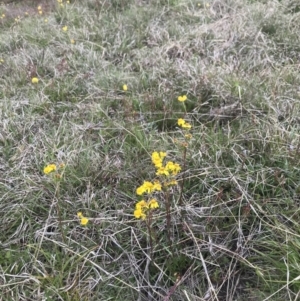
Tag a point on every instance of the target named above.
point(90, 91)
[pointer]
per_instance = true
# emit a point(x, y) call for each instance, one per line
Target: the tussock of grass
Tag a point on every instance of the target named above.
point(234, 232)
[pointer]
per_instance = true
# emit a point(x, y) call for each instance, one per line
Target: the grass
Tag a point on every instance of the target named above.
point(233, 232)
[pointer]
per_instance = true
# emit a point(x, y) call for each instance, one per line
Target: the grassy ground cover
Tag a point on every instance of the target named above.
point(92, 87)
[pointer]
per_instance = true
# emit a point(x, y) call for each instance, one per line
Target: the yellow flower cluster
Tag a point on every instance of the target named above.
point(170, 169)
point(49, 168)
point(40, 10)
point(143, 207)
point(157, 158)
point(181, 122)
point(52, 167)
point(148, 187)
point(83, 220)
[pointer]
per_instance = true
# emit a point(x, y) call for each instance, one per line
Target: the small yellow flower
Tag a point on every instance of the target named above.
point(3, 16)
point(79, 214)
point(182, 98)
point(39, 7)
point(181, 122)
point(68, 2)
point(65, 28)
point(1, 61)
point(40, 12)
point(84, 221)
point(138, 213)
point(125, 88)
point(141, 204)
point(49, 168)
point(34, 80)
point(46, 20)
point(153, 204)
point(26, 13)
point(72, 41)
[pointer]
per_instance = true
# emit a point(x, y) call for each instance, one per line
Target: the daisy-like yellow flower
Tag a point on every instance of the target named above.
point(65, 28)
point(182, 98)
point(34, 80)
point(125, 88)
point(148, 187)
point(143, 207)
point(84, 221)
point(49, 168)
point(153, 204)
point(181, 122)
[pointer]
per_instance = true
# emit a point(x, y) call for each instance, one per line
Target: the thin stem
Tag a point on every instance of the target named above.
point(59, 212)
point(168, 213)
point(183, 177)
point(148, 223)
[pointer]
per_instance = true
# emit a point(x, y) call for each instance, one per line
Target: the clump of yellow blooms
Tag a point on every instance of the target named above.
point(83, 220)
point(143, 207)
point(167, 171)
point(49, 168)
point(185, 125)
point(148, 187)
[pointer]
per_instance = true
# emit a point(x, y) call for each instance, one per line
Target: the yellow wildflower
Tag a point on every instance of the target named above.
point(65, 28)
point(171, 168)
point(84, 221)
point(138, 213)
point(49, 168)
point(125, 88)
point(141, 204)
point(79, 214)
point(182, 98)
point(72, 41)
point(181, 122)
point(157, 158)
point(148, 187)
point(142, 207)
point(153, 204)
point(34, 80)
